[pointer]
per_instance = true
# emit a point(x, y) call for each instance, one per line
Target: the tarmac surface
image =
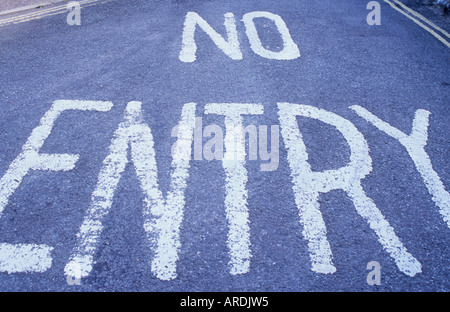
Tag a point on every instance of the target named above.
point(75, 190)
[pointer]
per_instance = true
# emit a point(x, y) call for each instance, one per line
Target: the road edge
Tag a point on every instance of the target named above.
point(30, 7)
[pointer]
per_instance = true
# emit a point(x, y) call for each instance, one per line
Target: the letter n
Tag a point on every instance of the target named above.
point(189, 47)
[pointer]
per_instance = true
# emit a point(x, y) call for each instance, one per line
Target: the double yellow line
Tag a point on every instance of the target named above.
point(58, 9)
point(420, 20)
point(417, 18)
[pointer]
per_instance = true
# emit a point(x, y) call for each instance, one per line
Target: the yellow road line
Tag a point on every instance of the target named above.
point(25, 16)
point(45, 12)
point(49, 14)
point(436, 35)
point(420, 16)
point(33, 18)
point(12, 19)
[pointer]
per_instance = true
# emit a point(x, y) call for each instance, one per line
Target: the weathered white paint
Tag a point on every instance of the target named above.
point(308, 184)
point(189, 46)
point(236, 179)
point(162, 217)
point(290, 49)
point(415, 145)
point(16, 258)
point(31, 159)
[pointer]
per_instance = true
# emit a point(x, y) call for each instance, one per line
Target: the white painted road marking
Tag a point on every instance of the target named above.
point(290, 49)
point(415, 145)
point(308, 184)
point(231, 47)
point(16, 258)
point(31, 159)
point(236, 180)
point(189, 47)
point(28, 257)
point(162, 217)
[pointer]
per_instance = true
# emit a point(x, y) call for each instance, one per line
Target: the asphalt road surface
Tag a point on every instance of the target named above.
point(123, 166)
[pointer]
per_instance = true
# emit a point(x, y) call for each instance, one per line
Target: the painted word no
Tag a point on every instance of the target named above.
point(230, 46)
